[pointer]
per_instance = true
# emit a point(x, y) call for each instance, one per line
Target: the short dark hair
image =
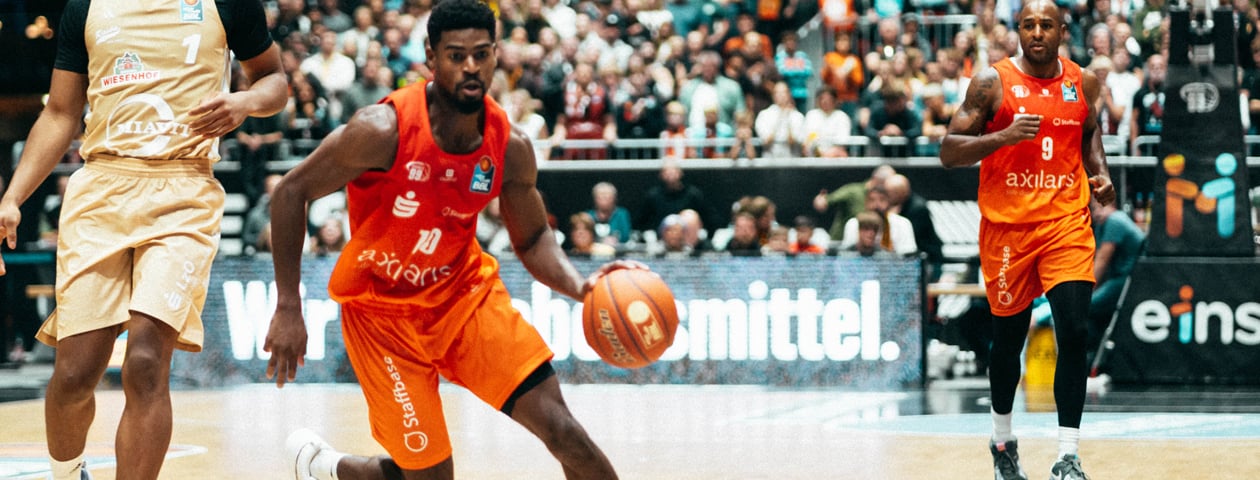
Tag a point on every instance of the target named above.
point(450, 15)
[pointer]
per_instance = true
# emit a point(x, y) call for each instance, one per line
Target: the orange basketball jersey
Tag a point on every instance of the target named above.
point(1040, 179)
point(414, 226)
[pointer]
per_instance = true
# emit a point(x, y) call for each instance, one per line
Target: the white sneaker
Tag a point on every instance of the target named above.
point(302, 446)
point(83, 472)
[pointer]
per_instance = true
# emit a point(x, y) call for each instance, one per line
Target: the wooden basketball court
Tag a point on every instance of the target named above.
point(695, 432)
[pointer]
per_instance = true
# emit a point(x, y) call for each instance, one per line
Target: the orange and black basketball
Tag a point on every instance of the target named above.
point(630, 317)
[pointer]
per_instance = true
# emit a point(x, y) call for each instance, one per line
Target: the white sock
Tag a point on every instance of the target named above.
point(67, 470)
point(324, 465)
point(1069, 440)
point(1002, 427)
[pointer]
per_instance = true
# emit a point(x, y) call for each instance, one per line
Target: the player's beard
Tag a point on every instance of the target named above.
point(469, 104)
point(454, 98)
point(1046, 56)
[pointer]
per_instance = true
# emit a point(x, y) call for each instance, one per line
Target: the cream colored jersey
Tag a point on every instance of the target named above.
point(150, 63)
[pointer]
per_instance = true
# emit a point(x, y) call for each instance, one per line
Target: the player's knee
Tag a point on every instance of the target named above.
point(1071, 337)
point(72, 383)
point(144, 373)
point(564, 436)
point(389, 469)
point(1006, 348)
point(1078, 331)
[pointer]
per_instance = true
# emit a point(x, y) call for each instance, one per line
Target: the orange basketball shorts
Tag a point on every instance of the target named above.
point(399, 352)
point(1021, 261)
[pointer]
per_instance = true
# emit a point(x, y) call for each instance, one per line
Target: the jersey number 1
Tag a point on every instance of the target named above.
point(192, 42)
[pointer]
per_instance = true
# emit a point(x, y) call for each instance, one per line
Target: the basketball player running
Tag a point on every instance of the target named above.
point(1031, 119)
point(140, 221)
point(418, 297)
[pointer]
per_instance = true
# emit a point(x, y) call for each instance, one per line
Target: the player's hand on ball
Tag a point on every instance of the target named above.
point(608, 267)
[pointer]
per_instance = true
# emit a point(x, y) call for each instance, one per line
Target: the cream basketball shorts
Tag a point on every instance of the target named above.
point(136, 236)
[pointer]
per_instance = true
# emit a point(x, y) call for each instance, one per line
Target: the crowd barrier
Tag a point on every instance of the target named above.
point(827, 321)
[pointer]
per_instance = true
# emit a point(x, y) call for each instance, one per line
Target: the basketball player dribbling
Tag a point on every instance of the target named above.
point(140, 221)
point(1031, 119)
point(418, 297)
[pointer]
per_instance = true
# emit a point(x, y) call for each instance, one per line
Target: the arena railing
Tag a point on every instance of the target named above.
point(655, 148)
point(939, 30)
point(292, 152)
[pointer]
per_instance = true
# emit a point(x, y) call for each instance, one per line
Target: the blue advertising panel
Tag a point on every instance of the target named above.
point(823, 321)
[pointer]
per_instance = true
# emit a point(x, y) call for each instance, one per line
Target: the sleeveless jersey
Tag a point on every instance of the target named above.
point(414, 226)
point(1044, 178)
point(150, 63)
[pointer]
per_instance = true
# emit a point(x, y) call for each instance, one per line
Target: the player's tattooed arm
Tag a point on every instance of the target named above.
point(965, 143)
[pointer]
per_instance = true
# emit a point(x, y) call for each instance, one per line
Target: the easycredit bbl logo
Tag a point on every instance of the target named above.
point(1185, 318)
point(1215, 196)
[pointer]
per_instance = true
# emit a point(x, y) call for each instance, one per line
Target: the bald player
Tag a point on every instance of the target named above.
point(1031, 119)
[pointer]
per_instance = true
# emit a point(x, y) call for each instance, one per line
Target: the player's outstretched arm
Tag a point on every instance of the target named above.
point(1092, 154)
point(525, 216)
point(368, 141)
point(965, 142)
point(47, 142)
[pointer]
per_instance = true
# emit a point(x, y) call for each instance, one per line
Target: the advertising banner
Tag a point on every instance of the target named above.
point(825, 321)
point(1189, 321)
point(1201, 207)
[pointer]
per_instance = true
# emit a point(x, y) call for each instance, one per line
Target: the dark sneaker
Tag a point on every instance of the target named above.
point(1006, 461)
point(1068, 468)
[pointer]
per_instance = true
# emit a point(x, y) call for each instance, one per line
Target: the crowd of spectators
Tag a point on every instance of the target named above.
point(608, 70)
point(599, 70)
point(719, 79)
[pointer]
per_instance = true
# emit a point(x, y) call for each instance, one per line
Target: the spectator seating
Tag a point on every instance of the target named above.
point(1146, 145)
point(1253, 145)
point(235, 206)
point(958, 224)
point(1114, 145)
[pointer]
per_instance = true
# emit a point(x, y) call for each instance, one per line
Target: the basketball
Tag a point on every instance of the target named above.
point(629, 317)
